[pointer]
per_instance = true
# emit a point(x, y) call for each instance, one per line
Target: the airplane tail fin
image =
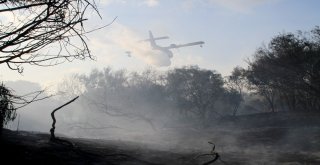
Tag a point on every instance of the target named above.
point(152, 40)
point(150, 35)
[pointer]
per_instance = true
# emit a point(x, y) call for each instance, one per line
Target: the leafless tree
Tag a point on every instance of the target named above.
point(43, 32)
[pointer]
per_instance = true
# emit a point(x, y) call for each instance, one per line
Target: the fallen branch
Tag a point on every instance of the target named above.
point(213, 153)
point(53, 137)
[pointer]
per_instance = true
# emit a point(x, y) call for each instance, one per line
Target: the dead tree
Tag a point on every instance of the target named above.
point(53, 137)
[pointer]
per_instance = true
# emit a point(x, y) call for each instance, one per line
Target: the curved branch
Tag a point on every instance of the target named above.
point(54, 119)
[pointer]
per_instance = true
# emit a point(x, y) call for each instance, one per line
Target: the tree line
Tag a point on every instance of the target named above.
point(282, 76)
point(286, 72)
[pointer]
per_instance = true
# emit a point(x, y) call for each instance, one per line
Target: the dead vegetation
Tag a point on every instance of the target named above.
point(212, 153)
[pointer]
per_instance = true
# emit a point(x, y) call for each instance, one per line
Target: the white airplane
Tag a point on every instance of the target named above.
point(166, 49)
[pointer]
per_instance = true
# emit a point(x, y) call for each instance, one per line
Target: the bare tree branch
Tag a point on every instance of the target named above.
point(53, 137)
point(60, 24)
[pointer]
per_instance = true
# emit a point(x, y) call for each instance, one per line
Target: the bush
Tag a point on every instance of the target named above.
point(7, 109)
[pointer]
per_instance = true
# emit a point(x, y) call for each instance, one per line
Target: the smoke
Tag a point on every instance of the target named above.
point(128, 43)
point(246, 140)
point(158, 58)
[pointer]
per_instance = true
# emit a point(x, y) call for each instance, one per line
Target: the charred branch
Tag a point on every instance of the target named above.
point(53, 137)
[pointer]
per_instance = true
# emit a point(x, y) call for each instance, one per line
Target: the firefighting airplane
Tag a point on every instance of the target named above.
point(166, 49)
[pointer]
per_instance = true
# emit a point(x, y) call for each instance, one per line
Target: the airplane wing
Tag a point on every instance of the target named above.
point(155, 38)
point(173, 46)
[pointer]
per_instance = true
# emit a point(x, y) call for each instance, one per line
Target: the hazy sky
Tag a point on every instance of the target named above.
point(231, 29)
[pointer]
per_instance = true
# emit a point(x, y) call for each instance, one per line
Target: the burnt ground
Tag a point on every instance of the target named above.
point(288, 139)
point(36, 148)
